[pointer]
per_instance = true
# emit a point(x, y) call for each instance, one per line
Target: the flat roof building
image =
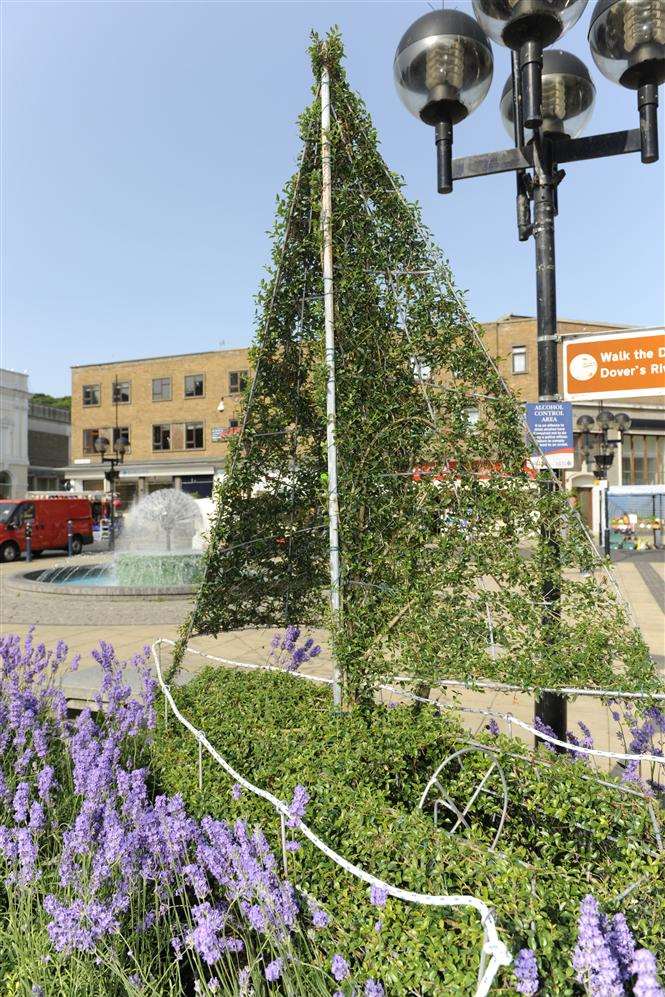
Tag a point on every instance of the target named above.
point(174, 413)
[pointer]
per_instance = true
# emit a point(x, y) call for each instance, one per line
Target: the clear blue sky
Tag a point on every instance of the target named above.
point(144, 143)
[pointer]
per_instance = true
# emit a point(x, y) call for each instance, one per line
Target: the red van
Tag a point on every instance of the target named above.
point(49, 518)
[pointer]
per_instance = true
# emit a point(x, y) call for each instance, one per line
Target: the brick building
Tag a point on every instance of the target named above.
point(174, 413)
point(641, 457)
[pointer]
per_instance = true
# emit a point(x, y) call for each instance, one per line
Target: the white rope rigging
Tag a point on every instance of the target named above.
point(508, 718)
point(494, 953)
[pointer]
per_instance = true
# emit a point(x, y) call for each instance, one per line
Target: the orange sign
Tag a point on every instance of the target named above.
point(616, 365)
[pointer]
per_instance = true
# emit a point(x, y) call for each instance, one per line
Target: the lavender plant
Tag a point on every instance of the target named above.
point(642, 734)
point(106, 881)
point(585, 741)
point(287, 653)
point(525, 969)
point(605, 959)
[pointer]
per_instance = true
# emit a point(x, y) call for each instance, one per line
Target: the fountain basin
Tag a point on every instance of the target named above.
point(96, 580)
point(160, 570)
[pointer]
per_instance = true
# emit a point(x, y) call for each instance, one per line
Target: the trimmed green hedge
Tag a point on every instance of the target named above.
point(565, 836)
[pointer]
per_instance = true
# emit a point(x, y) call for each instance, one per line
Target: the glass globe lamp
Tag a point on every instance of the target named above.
point(515, 22)
point(443, 67)
point(627, 41)
point(568, 95)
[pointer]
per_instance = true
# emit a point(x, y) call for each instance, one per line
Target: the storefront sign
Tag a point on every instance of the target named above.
point(221, 432)
point(616, 365)
point(551, 425)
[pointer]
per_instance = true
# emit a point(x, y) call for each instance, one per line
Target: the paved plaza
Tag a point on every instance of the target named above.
point(131, 623)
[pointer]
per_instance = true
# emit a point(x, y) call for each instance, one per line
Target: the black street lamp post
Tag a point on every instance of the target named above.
point(119, 447)
point(443, 69)
point(610, 429)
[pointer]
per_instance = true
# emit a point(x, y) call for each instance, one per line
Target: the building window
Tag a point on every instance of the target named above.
point(194, 436)
point(238, 381)
point(92, 394)
point(122, 393)
point(161, 389)
point(194, 386)
point(519, 359)
point(121, 433)
point(89, 437)
point(5, 485)
point(642, 460)
point(161, 437)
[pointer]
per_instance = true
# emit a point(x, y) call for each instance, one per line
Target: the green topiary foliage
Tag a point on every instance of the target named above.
point(442, 563)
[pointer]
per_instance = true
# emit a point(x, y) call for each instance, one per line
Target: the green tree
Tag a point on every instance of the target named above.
point(442, 561)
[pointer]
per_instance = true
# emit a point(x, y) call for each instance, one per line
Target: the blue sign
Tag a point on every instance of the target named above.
point(551, 425)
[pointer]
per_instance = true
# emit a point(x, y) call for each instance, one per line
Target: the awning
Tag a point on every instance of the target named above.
point(165, 470)
point(153, 469)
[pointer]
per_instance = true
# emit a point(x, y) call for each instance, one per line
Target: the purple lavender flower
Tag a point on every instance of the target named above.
point(80, 925)
point(319, 918)
point(36, 819)
point(595, 965)
point(493, 727)
point(286, 653)
point(291, 636)
point(339, 967)
point(621, 943)
point(526, 972)
point(378, 896)
point(587, 738)
point(544, 728)
point(234, 944)
point(205, 937)
point(243, 980)
point(644, 967)
point(236, 791)
point(27, 856)
point(197, 879)
point(20, 802)
point(378, 926)
point(273, 970)
point(373, 989)
point(298, 805)
point(46, 783)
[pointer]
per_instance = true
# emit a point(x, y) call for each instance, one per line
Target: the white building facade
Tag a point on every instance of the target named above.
point(14, 461)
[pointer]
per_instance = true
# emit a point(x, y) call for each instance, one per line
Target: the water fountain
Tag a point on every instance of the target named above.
point(154, 554)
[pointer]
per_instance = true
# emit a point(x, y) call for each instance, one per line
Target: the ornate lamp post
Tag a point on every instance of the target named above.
point(443, 69)
point(119, 447)
point(609, 428)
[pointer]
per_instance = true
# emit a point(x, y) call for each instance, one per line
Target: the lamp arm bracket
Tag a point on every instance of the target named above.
point(563, 150)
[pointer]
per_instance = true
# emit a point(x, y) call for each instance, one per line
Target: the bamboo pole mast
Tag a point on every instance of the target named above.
point(329, 320)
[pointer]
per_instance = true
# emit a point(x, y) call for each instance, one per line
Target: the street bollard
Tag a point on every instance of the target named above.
point(70, 534)
point(28, 541)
